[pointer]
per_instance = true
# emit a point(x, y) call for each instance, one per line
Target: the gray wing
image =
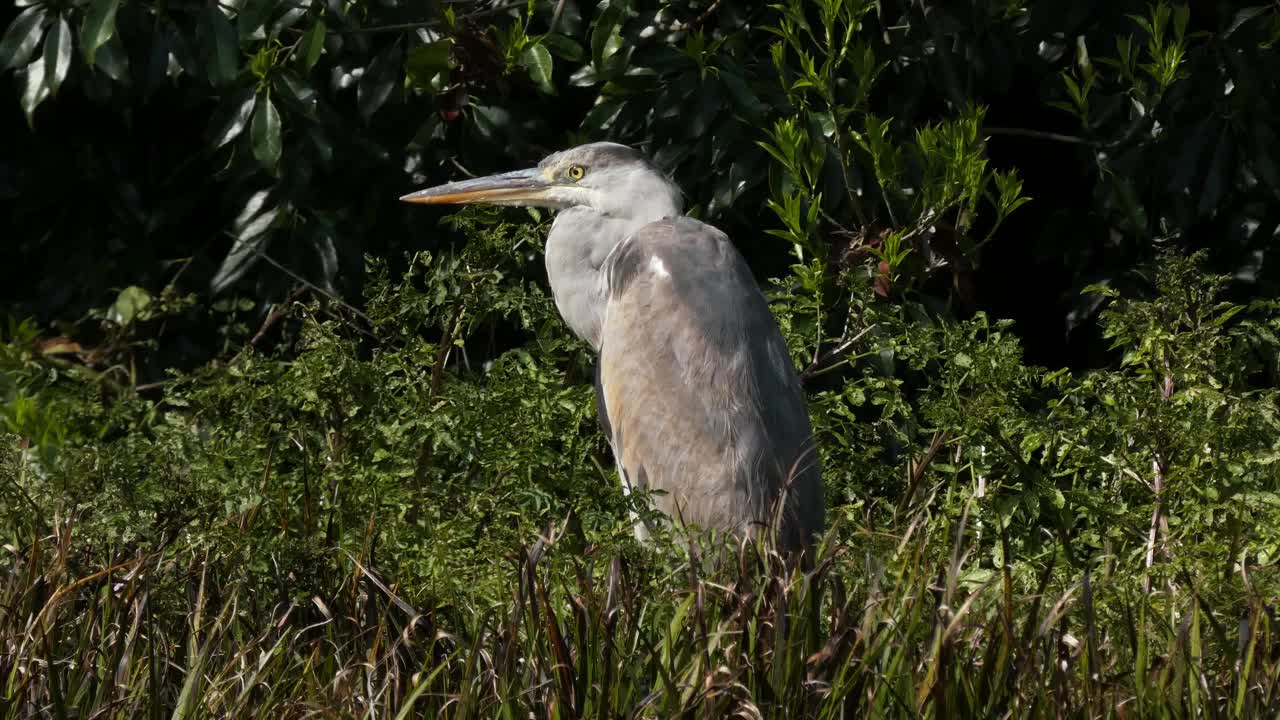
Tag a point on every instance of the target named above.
point(700, 397)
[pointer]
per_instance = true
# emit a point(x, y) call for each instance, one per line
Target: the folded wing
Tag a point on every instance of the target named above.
point(699, 395)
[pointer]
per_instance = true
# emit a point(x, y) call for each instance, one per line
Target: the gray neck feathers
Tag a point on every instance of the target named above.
point(580, 241)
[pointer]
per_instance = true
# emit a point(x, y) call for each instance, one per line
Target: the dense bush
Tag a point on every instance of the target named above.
point(274, 445)
point(271, 486)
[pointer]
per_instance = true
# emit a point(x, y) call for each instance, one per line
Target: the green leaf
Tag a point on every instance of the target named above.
point(21, 38)
point(113, 60)
point(297, 91)
point(57, 55)
point(34, 89)
point(605, 28)
point(231, 117)
point(743, 98)
point(266, 134)
point(537, 60)
point(98, 27)
point(130, 305)
point(223, 48)
point(253, 15)
point(612, 45)
point(427, 60)
point(313, 44)
point(602, 114)
point(1226, 315)
point(378, 80)
point(706, 108)
point(564, 47)
point(287, 19)
point(252, 231)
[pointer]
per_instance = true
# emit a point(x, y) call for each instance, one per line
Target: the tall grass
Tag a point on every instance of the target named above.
point(887, 628)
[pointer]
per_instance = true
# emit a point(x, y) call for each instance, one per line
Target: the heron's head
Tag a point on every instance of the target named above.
point(607, 177)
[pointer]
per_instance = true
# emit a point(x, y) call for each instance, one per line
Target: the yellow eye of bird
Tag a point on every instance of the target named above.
point(576, 172)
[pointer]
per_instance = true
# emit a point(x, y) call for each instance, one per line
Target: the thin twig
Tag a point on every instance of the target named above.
point(315, 288)
point(1038, 134)
point(400, 27)
point(703, 17)
point(460, 167)
point(442, 353)
point(916, 468)
point(555, 17)
point(1159, 468)
point(816, 367)
point(274, 316)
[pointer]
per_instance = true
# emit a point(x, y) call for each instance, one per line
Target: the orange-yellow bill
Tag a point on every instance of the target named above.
point(512, 187)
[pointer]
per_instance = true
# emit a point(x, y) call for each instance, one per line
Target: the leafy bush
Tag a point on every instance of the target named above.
point(1107, 515)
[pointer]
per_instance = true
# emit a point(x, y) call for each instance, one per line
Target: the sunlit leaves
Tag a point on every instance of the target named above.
point(835, 148)
point(44, 75)
point(34, 88)
point(800, 218)
point(1009, 195)
point(232, 117)
point(263, 62)
point(564, 47)
point(266, 134)
point(605, 33)
point(795, 151)
point(57, 54)
point(131, 304)
point(953, 157)
point(537, 60)
point(252, 232)
point(886, 155)
point(21, 37)
point(1166, 46)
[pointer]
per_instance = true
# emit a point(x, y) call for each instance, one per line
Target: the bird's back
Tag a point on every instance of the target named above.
point(700, 396)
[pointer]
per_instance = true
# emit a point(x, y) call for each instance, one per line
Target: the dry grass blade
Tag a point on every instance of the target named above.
point(758, 637)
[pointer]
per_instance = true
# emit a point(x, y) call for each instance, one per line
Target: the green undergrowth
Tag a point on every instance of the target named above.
point(399, 512)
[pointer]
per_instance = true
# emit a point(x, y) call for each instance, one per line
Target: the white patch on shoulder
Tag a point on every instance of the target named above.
point(655, 264)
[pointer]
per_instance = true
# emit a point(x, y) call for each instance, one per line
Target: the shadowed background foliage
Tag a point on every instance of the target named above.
point(142, 136)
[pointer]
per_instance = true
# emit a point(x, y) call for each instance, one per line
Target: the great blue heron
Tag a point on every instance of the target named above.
point(697, 392)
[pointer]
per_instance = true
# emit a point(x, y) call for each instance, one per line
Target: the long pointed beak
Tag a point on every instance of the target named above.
point(518, 187)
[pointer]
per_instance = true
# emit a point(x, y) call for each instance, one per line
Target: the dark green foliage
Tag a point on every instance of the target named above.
point(291, 128)
point(358, 431)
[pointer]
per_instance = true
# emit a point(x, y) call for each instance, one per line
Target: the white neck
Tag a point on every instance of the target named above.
point(583, 235)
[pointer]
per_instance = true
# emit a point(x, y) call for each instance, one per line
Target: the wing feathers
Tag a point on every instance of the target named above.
point(700, 394)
